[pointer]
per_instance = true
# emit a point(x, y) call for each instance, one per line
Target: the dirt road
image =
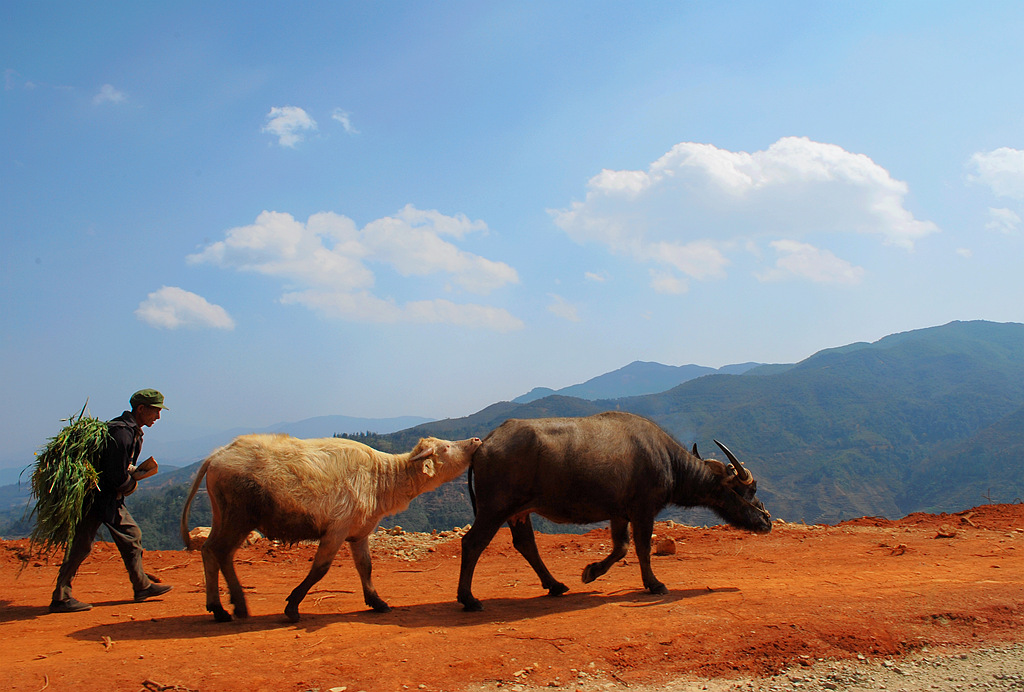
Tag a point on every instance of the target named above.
point(740, 605)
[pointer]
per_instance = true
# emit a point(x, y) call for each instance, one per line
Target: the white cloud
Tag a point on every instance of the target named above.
point(325, 264)
point(1005, 221)
point(668, 283)
point(289, 124)
point(345, 120)
point(964, 252)
point(411, 241)
point(803, 261)
point(172, 308)
point(697, 203)
point(562, 308)
point(108, 94)
point(325, 252)
point(596, 277)
point(1002, 170)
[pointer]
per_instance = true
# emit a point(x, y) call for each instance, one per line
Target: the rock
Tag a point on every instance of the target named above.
point(198, 536)
point(665, 546)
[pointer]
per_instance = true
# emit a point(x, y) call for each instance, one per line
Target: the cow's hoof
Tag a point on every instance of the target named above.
point(558, 589)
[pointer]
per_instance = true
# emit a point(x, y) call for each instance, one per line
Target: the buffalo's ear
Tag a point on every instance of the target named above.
point(428, 466)
point(716, 467)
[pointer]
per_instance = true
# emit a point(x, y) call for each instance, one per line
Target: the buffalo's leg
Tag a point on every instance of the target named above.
point(642, 530)
point(474, 541)
point(526, 543)
point(620, 544)
point(329, 545)
point(361, 557)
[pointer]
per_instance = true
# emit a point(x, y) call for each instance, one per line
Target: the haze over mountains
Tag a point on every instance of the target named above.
point(927, 420)
point(635, 379)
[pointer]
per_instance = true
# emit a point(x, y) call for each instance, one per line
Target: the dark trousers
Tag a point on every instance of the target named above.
point(127, 536)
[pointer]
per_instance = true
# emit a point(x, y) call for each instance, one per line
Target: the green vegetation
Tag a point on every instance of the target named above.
point(63, 480)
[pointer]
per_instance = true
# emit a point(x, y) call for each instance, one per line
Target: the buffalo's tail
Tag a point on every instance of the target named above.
point(472, 492)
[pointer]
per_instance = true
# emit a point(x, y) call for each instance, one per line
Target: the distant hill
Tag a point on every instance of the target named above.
point(928, 420)
point(635, 379)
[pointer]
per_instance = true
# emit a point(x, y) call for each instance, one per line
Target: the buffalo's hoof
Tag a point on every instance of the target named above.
point(471, 605)
point(292, 612)
point(591, 572)
point(557, 589)
point(380, 607)
point(658, 589)
point(219, 614)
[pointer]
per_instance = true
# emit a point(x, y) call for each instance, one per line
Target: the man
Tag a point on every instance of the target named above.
point(115, 468)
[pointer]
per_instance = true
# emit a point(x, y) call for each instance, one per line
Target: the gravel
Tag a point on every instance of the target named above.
point(994, 669)
point(998, 669)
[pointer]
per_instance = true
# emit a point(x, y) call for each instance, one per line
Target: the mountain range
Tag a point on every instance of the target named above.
point(636, 379)
point(927, 420)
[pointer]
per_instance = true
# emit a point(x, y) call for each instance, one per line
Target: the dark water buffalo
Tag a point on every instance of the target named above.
point(613, 466)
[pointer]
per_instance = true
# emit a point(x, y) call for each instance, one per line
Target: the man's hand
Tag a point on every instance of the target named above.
point(144, 470)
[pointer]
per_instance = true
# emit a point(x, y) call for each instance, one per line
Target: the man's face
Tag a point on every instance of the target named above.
point(147, 415)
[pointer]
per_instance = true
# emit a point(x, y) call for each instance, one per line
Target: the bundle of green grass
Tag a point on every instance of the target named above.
point(63, 480)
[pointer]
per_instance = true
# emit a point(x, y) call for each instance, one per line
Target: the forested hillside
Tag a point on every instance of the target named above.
point(929, 420)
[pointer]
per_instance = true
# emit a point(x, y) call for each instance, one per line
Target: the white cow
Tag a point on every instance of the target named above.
point(328, 489)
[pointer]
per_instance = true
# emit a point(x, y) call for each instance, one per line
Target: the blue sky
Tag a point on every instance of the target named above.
point(274, 211)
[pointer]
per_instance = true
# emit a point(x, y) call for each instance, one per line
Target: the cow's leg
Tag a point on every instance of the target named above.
point(620, 542)
point(642, 530)
point(526, 543)
point(219, 554)
point(361, 556)
point(476, 539)
point(329, 545)
point(211, 572)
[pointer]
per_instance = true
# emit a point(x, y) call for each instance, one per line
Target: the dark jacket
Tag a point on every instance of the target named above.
point(123, 448)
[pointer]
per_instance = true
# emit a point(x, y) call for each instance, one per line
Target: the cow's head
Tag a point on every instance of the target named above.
point(441, 460)
point(736, 500)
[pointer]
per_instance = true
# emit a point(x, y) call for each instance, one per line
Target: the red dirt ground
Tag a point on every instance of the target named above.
point(739, 604)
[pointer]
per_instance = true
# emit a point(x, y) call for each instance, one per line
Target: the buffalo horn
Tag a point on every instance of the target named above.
point(695, 452)
point(742, 475)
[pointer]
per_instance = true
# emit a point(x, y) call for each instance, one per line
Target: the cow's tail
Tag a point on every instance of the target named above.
point(472, 492)
point(188, 502)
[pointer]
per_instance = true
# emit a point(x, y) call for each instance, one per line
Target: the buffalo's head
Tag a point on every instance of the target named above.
point(736, 499)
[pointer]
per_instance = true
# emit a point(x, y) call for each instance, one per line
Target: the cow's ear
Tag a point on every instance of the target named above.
point(428, 466)
point(424, 453)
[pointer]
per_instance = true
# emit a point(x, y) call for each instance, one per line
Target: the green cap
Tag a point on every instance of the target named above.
point(149, 397)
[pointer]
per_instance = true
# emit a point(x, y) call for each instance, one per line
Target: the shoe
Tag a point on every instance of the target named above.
point(152, 590)
point(71, 605)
